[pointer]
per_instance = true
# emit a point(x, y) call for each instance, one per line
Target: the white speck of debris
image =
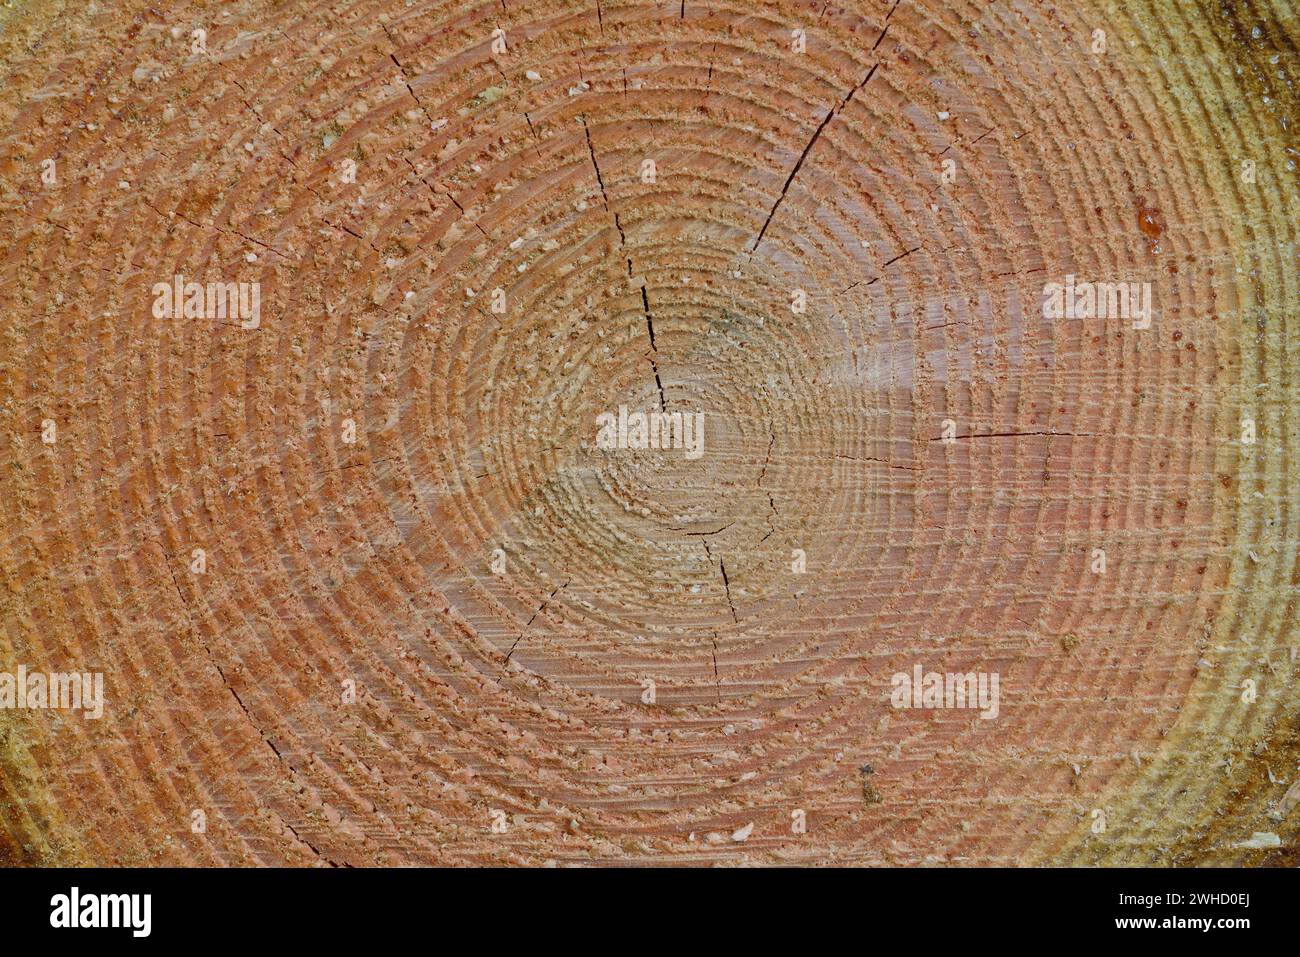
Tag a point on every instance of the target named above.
point(582, 87)
point(515, 244)
point(437, 124)
point(943, 115)
point(123, 184)
point(1261, 839)
point(533, 75)
point(250, 257)
point(1253, 557)
point(742, 834)
point(249, 147)
point(1076, 769)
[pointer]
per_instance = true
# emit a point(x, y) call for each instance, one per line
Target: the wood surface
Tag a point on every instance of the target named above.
point(399, 494)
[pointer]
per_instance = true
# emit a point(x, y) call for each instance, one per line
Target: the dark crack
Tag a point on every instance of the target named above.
point(726, 582)
point(248, 715)
point(830, 115)
point(650, 330)
point(868, 458)
point(1013, 435)
point(870, 282)
point(771, 500)
point(541, 608)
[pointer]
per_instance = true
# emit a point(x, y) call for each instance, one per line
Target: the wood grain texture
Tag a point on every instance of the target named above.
point(369, 564)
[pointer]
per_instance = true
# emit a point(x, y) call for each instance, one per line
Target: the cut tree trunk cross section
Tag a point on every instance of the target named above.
point(594, 433)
